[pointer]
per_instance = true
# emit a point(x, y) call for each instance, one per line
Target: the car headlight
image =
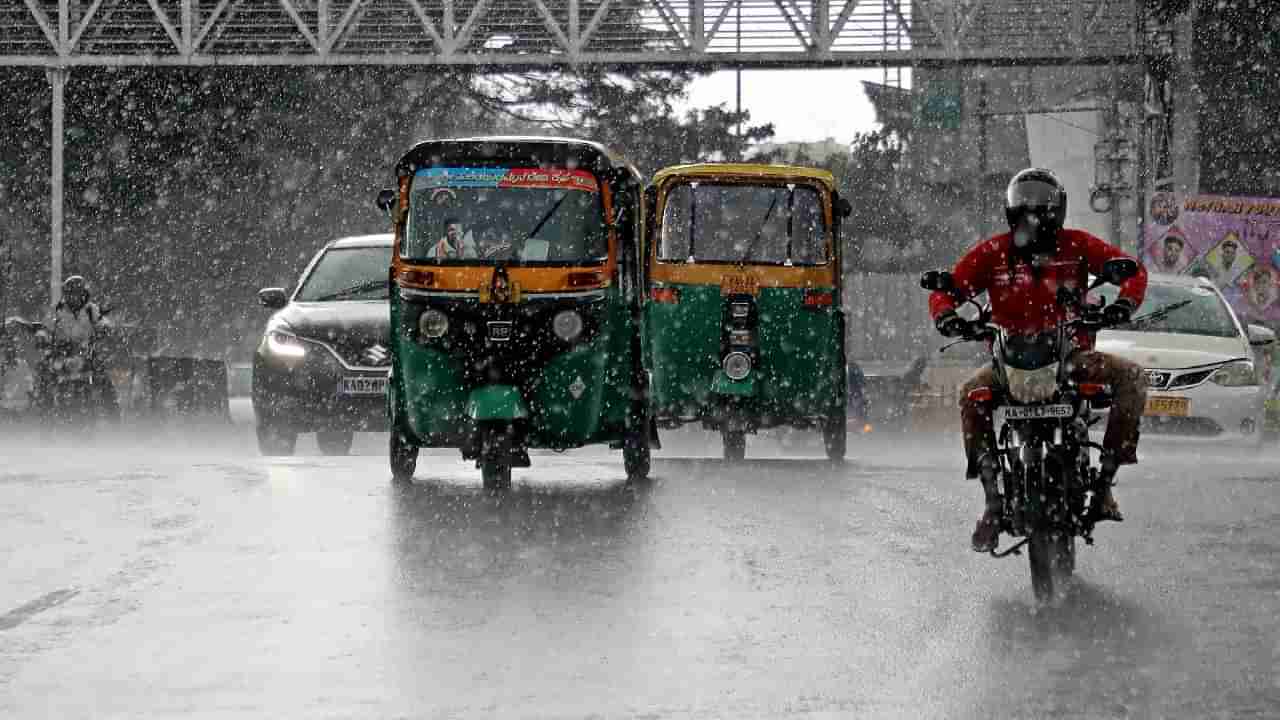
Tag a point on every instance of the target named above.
point(567, 325)
point(433, 323)
point(737, 365)
point(1235, 374)
point(284, 345)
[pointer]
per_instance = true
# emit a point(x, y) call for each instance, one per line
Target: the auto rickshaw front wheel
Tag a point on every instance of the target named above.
point(403, 457)
point(835, 436)
point(495, 458)
point(735, 445)
point(635, 455)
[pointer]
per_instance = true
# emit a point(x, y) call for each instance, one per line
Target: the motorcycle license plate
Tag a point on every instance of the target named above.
point(1159, 406)
point(362, 385)
point(1036, 412)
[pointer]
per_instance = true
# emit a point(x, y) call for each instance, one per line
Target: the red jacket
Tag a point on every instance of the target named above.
point(1023, 299)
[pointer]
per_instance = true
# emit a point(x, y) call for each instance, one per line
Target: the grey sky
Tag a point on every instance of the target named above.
point(803, 105)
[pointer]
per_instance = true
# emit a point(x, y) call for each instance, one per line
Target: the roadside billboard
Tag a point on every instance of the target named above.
point(1233, 241)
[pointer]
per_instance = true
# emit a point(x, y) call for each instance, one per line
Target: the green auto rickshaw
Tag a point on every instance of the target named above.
point(744, 328)
point(515, 303)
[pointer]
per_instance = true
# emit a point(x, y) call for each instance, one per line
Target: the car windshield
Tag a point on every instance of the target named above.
point(710, 222)
point(357, 273)
point(513, 216)
point(1200, 311)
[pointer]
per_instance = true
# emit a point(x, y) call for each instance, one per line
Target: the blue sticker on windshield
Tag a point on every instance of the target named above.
point(461, 177)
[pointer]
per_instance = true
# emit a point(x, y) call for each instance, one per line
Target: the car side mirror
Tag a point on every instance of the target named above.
point(844, 208)
point(273, 298)
point(387, 199)
point(1117, 270)
point(937, 280)
point(1260, 336)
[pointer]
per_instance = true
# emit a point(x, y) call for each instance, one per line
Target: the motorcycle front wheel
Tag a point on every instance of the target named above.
point(1052, 556)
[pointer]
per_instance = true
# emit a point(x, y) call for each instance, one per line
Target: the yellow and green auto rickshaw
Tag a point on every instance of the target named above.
point(515, 302)
point(743, 325)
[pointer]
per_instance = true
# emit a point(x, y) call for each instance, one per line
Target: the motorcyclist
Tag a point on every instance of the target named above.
point(80, 322)
point(1022, 271)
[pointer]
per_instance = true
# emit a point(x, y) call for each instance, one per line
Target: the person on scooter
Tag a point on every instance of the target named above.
point(1021, 271)
point(79, 321)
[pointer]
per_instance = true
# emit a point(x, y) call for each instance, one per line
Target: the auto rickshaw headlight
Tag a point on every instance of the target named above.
point(567, 325)
point(737, 365)
point(433, 323)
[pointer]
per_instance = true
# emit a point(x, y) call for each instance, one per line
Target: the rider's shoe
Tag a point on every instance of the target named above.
point(1108, 508)
point(1105, 506)
point(987, 535)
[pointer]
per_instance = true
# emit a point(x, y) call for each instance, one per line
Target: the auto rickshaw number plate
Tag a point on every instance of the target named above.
point(739, 284)
point(500, 331)
point(362, 385)
point(1167, 407)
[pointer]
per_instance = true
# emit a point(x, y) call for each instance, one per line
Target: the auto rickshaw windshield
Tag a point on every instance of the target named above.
point(707, 222)
point(513, 216)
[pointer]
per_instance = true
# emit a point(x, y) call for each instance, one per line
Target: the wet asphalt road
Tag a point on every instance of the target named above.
point(161, 576)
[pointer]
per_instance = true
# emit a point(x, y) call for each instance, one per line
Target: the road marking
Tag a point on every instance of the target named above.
point(23, 613)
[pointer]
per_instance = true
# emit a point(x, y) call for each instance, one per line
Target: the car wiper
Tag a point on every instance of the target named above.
point(751, 246)
point(353, 290)
point(551, 211)
point(1160, 314)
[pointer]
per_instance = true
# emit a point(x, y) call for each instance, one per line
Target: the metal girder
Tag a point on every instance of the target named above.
point(549, 33)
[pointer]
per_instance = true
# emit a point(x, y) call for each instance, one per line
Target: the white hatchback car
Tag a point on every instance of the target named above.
point(1204, 375)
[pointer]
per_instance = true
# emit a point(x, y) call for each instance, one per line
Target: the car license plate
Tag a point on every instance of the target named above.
point(1160, 406)
point(362, 385)
point(1036, 412)
point(739, 284)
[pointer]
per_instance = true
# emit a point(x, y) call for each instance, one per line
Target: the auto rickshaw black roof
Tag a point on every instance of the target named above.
point(513, 151)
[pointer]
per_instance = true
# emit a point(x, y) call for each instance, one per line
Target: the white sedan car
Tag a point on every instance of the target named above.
point(1204, 375)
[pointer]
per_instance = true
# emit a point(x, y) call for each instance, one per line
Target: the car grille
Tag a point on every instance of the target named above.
point(1192, 378)
point(1173, 380)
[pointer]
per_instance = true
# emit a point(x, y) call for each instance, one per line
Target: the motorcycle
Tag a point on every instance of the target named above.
point(1042, 460)
point(68, 382)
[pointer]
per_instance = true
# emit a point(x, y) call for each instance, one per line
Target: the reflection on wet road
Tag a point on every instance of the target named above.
point(205, 581)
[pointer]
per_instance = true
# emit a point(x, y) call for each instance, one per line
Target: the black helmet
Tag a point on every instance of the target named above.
point(1037, 194)
point(75, 284)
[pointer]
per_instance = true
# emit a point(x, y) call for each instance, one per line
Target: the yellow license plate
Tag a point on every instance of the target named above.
point(739, 285)
point(1167, 407)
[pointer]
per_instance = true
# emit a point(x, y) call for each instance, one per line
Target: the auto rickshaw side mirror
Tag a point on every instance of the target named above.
point(1117, 270)
point(1260, 335)
point(844, 208)
point(937, 280)
point(273, 298)
point(387, 199)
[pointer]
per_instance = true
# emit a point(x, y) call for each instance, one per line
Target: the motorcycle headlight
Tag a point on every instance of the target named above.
point(433, 323)
point(1031, 386)
point(567, 325)
point(284, 345)
point(1235, 374)
point(737, 365)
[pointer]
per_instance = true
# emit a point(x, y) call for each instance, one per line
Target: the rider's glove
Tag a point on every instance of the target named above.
point(952, 325)
point(1118, 312)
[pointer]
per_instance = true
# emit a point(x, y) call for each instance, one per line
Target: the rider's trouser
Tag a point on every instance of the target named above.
point(1129, 393)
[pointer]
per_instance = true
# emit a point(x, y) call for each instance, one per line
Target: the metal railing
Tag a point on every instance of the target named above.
point(542, 33)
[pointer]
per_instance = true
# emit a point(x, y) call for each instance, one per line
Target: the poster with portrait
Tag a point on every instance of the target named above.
point(1233, 241)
